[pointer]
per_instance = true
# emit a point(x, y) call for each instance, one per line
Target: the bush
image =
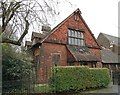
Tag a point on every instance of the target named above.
point(17, 70)
point(65, 78)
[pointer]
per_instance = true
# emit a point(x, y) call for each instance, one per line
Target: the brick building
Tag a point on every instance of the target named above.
point(110, 53)
point(70, 43)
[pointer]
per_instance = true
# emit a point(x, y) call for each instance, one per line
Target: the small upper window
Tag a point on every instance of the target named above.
point(76, 37)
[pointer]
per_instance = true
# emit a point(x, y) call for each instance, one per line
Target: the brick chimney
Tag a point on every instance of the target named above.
point(46, 29)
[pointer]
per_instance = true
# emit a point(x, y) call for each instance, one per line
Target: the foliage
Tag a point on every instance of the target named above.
point(16, 69)
point(65, 78)
point(43, 88)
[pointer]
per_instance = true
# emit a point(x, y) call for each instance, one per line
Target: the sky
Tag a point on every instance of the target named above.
point(100, 15)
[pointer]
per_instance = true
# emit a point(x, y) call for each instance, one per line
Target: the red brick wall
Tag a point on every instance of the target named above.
point(60, 33)
point(46, 59)
point(47, 49)
point(70, 58)
point(36, 52)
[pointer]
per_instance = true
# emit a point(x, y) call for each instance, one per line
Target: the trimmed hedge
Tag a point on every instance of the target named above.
point(65, 78)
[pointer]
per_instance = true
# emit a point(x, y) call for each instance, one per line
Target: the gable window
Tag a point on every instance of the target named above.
point(76, 37)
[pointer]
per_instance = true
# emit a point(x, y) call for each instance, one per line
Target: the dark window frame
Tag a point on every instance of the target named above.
point(56, 59)
point(74, 39)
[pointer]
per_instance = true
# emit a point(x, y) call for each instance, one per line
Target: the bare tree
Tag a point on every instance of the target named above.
point(18, 15)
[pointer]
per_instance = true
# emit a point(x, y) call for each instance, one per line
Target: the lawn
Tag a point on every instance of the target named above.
point(42, 88)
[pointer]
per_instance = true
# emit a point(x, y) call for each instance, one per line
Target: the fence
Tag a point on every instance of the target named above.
point(18, 86)
point(31, 85)
point(116, 77)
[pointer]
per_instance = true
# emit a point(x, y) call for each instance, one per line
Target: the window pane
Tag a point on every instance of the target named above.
point(82, 36)
point(69, 32)
point(82, 43)
point(78, 42)
point(69, 40)
point(72, 32)
point(75, 33)
point(78, 34)
point(76, 38)
point(75, 41)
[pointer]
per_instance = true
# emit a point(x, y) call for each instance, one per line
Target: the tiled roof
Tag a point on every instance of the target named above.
point(113, 39)
point(82, 53)
point(108, 56)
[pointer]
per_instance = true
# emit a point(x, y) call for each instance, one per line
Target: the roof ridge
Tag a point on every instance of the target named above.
point(110, 35)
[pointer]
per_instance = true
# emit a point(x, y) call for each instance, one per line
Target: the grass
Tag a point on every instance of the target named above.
point(46, 88)
point(42, 88)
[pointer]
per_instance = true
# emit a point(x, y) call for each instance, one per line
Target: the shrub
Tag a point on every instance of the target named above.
point(17, 70)
point(65, 78)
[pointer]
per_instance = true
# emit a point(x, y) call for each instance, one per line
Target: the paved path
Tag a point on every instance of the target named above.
point(110, 89)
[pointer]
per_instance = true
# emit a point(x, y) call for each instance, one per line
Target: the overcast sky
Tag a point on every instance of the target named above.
point(100, 15)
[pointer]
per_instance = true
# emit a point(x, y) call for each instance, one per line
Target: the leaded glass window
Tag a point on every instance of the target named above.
point(76, 37)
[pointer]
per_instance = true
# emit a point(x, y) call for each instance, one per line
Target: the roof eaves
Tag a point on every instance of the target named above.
point(71, 53)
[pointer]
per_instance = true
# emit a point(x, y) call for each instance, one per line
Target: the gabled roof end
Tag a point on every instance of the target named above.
point(77, 11)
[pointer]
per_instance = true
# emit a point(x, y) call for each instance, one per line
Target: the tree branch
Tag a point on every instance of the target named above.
point(19, 15)
point(26, 28)
point(6, 40)
point(9, 14)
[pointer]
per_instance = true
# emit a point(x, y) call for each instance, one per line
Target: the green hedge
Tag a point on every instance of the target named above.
point(65, 78)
